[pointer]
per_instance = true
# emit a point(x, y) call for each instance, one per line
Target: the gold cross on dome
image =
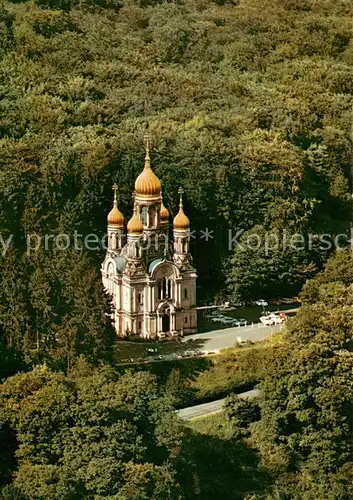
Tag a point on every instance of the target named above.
point(147, 141)
point(115, 189)
point(181, 191)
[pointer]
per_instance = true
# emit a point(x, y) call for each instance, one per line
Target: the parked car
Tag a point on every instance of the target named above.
point(284, 300)
point(267, 320)
point(217, 319)
point(261, 303)
point(277, 320)
point(226, 321)
point(242, 322)
point(243, 342)
point(229, 320)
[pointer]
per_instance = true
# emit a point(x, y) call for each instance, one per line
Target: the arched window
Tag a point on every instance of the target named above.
point(159, 288)
point(185, 293)
point(113, 241)
point(152, 216)
point(143, 215)
point(169, 289)
point(165, 288)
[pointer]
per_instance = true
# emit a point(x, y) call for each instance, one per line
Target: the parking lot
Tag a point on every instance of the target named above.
point(224, 319)
point(219, 328)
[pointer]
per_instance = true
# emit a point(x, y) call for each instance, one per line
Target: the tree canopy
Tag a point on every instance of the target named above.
point(249, 106)
point(93, 435)
point(306, 425)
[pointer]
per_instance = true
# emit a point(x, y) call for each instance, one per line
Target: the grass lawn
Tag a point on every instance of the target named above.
point(197, 380)
point(212, 425)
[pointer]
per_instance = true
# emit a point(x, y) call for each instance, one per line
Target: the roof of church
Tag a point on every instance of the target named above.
point(120, 263)
point(154, 264)
point(164, 212)
point(181, 221)
point(147, 183)
point(115, 217)
point(134, 226)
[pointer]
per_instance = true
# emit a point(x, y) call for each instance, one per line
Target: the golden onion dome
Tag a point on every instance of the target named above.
point(147, 183)
point(164, 213)
point(181, 221)
point(115, 217)
point(134, 226)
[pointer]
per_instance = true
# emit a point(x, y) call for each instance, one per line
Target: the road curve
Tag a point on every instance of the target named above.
point(212, 407)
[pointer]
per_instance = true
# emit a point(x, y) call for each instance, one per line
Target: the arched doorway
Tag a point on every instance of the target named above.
point(166, 321)
point(165, 318)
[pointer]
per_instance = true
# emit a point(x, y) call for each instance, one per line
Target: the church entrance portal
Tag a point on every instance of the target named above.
point(166, 321)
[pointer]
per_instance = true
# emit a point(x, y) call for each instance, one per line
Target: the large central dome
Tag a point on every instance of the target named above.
point(147, 183)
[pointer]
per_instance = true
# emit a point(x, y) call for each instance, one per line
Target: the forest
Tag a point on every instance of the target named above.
point(248, 103)
point(97, 433)
point(249, 107)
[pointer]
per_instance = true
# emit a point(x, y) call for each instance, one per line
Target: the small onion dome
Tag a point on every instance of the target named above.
point(164, 213)
point(115, 217)
point(134, 226)
point(181, 222)
point(147, 183)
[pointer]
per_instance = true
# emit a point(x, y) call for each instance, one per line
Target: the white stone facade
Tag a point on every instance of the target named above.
point(151, 279)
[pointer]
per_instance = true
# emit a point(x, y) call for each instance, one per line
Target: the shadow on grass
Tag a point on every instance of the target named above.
point(216, 468)
point(146, 351)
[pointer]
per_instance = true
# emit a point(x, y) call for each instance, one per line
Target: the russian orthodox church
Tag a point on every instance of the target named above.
point(149, 275)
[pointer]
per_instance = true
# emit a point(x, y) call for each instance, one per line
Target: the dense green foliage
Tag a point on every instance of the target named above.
point(197, 380)
point(306, 425)
point(97, 434)
point(248, 103)
point(93, 435)
point(303, 431)
point(241, 413)
point(100, 434)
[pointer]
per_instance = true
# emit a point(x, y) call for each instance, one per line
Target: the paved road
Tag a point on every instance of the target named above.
point(221, 339)
point(204, 343)
point(209, 408)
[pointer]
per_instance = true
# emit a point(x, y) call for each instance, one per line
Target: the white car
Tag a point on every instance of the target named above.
point(242, 322)
point(228, 320)
point(285, 300)
point(243, 342)
point(261, 303)
point(217, 319)
point(277, 320)
point(267, 320)
point(224, 320)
